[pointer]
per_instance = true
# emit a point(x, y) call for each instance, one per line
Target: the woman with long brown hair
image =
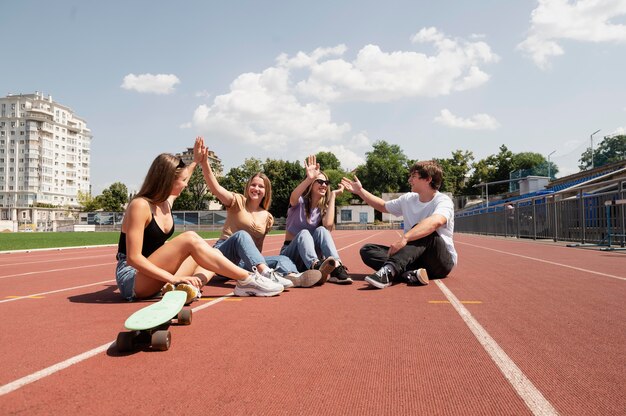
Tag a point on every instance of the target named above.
point(145, 264)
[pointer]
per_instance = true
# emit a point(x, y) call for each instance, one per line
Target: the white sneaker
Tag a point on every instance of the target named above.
point(416, 276)
point(257, 285)
point(276, 277)
point(305, 279)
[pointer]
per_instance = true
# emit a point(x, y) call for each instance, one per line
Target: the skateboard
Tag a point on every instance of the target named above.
point(149, 325)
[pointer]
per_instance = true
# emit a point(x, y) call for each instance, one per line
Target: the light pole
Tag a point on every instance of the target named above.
point(550, 177)
point(591, 139)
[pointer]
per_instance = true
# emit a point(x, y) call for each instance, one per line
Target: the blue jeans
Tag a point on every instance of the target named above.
point(241, 250)
point(125, 277)
point(306, 249)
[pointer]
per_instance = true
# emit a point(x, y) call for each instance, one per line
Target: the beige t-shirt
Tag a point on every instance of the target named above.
point(238, 218)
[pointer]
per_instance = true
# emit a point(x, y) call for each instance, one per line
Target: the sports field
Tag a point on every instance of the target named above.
point(518, 328)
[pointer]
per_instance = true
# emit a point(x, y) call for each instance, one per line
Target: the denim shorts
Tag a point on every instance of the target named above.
point(125, 278)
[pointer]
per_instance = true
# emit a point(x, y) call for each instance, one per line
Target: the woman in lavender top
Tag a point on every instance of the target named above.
point(310, 219)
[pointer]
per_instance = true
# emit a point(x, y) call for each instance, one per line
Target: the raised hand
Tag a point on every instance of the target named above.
point(312, 167)
point(353, 186)
point(339, 190)
point(198, 149)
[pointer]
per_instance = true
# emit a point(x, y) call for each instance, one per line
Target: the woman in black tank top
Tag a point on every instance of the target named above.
point(145, 262)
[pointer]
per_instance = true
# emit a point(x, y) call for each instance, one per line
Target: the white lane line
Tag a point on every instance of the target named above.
point(533, 398)
point(21, 382)
point(546, 261)
point(14, 385)
point(56, 270)
point(56, 291)
point(54, 260)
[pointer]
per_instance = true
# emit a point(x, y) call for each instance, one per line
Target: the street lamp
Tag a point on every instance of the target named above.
point(591, 139)
point(550, 177)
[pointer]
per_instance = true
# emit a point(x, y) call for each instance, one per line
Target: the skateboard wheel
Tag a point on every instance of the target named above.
point(125, 341)
point(184, 317)
point(161, 340)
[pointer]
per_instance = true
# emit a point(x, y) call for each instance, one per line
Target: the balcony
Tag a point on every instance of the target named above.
point(41, 110)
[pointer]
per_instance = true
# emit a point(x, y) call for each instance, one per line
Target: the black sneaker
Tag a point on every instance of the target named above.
point(340, 276)
point(325, 267)
point(382, 278)
point(416, 276)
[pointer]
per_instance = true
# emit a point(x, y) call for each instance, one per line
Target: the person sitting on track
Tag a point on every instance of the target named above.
point(247, 223)
point(426, 248)
point(145, 262)
point(310, 218)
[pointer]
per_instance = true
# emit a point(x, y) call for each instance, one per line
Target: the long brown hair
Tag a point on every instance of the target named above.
point(322, 203)
point(160, 178)
point(267, 198)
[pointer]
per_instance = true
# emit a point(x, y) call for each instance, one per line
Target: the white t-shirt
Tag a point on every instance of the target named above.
point(414, 211)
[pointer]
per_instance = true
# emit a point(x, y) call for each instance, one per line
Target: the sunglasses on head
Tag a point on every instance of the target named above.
point(181, 164)
point(322, 182)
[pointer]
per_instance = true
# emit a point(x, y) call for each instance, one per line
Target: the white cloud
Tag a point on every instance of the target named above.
point(618, 131)
point(261, 109)
point(378, 76)
point(148, 83)
point(584, 20)
point(202, 94)
point(475, 122)
point(187, 125)
point(289, 104)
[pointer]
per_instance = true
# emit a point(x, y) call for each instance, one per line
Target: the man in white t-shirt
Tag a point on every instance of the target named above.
point(426, 248)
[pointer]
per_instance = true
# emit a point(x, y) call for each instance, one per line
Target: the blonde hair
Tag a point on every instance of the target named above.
point(267, 198)
point(159, 181)
point(322, 204)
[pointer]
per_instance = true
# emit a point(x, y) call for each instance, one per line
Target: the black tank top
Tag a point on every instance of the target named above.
point(153, 238)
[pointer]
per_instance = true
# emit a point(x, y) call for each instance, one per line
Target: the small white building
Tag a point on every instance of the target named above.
point(355, 214)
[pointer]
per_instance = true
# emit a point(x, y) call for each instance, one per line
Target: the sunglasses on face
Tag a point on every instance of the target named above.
point(322, 182)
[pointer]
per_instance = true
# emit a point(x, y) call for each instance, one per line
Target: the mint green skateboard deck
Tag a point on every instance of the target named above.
point(149, 325)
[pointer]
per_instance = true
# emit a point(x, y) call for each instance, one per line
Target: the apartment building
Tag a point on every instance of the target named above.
point(44, 152)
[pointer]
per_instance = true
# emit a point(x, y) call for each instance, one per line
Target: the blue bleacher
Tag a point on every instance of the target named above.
point(498, 205)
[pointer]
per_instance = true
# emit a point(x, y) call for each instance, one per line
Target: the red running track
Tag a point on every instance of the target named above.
point(518, 328)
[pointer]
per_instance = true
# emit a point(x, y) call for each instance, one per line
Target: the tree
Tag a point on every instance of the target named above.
point(611, 149)
point(236, 178)
point(328, 161)
point(385, 170)
point(455, 171)
point(285, 176)
point(114, 198)
point(87, 202)
point(195, 196)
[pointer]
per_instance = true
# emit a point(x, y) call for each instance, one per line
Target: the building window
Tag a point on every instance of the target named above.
point(346, 215)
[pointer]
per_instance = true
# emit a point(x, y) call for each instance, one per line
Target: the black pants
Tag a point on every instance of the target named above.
point(428, 252)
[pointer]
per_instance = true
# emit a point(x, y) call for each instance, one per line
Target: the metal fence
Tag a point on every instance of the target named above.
point(586, 217)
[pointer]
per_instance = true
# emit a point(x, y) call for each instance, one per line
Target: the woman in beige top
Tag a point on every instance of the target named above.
point(247, 223)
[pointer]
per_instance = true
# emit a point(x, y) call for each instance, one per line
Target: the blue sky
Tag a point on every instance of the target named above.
point(283, 79)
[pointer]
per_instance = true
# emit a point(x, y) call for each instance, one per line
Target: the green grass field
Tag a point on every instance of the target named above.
point(27, 241)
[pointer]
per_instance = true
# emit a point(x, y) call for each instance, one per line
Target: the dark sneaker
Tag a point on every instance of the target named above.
point(382, 278)
point(340, 276)
point(325, 267)
point(416, 276)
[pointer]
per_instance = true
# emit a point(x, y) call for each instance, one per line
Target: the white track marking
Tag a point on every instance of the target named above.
point(55, 291)
point(53, 260)
point(21, 382)
point(55, 270)
point(533, 398)
point(546, 261)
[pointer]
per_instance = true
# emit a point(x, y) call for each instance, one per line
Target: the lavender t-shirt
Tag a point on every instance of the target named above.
point(296, 218)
